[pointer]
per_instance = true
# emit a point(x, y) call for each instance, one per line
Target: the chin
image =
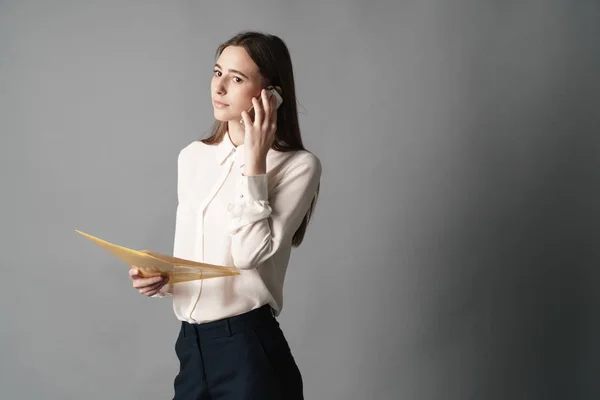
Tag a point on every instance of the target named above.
point(222, 116)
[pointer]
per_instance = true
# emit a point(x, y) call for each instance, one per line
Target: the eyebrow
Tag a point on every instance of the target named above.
point(234, 71)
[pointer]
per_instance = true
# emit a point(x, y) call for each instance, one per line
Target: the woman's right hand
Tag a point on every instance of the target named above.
point(147, 286)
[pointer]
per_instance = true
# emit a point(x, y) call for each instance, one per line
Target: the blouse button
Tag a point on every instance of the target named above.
point(241, 195)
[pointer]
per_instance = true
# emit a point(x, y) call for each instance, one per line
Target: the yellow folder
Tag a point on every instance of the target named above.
point(151, 264)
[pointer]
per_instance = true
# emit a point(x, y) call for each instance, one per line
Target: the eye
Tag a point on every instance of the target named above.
point(216, 72)
point(237, 80)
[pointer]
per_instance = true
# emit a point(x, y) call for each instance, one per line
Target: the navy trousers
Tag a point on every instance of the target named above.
point(237, 358)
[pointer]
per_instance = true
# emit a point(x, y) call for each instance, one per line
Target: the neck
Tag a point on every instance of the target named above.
point(236, 133)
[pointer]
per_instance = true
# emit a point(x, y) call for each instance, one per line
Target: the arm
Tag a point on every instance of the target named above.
point(167, 289)
point(260, 222)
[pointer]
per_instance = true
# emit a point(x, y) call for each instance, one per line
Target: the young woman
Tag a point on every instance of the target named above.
point(246, 194)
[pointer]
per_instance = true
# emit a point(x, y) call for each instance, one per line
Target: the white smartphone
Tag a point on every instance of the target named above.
point(271, 91)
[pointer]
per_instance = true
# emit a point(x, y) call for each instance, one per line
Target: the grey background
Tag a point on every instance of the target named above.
point(453, 252)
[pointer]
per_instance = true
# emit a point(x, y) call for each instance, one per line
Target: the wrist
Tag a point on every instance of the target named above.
point(255, 167)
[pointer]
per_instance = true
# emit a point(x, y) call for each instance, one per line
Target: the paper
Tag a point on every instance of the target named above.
point(151, 264)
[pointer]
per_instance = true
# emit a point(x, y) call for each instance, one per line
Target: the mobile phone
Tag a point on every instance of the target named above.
point(271, 91)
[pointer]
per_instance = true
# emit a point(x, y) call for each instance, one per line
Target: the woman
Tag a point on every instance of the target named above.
point(246, 194)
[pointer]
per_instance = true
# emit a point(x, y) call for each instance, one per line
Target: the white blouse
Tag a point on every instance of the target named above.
point(226, 218)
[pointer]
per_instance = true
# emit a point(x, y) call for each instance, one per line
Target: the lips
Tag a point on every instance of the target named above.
point(219, 104)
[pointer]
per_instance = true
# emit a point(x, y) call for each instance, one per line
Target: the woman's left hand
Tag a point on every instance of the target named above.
point(260, 134)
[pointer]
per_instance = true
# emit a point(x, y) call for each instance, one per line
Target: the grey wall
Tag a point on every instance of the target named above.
point(452, 254)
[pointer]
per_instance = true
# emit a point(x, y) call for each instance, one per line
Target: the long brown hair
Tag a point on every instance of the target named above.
point(272, 57)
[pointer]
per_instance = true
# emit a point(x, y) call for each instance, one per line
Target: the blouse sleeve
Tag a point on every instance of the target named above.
point(260, 222)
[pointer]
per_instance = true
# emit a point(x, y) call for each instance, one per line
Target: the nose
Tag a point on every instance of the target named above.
point(219, 88)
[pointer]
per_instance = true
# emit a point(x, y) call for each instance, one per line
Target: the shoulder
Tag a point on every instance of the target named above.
point(193, 151)
point(304, 160)
point(299, 164)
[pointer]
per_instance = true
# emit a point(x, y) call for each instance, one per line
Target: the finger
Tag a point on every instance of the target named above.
point(154, 288)
point(273, 101)
point(149, 292)
point(134, 272)
point(140, 283)
point(274, 116)
point(271, 116)
point(143, 282)
point(246, 119)
point(258, 111)
point(151, 288)
point(266, 100)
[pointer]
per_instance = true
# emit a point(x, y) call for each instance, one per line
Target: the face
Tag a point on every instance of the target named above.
point(236, 79)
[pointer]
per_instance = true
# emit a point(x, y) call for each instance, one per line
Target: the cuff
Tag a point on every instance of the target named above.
point(160, 295)
point(251, 202)
point(252, 188)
